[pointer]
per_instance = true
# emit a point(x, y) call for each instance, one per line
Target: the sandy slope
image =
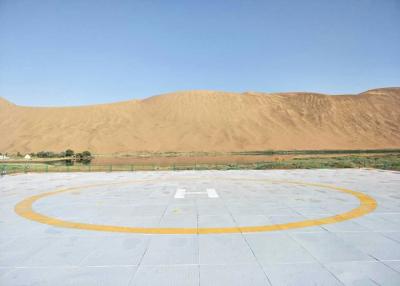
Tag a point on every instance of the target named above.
point(209, 121)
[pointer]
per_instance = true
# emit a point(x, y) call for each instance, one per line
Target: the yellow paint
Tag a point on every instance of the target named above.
point(367, 205)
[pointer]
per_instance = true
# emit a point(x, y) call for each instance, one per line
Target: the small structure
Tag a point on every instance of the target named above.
point(27, 157)
point(4, 157)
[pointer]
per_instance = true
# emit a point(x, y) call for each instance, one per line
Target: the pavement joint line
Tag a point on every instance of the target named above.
point(318, 261)
point(193, 264)
point(388, 237)
point(389, 266)
point(87, 256)
point(366, 205)
point(199, 274)
point(249, 246)
point(70, 266)
point(373, 281)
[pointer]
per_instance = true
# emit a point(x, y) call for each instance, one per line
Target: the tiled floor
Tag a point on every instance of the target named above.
point(361, 251)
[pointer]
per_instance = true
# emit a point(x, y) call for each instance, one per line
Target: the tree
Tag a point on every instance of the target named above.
point(69, 153)
point(86, 154)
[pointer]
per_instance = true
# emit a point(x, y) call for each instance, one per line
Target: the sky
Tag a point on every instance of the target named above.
point(80, 52)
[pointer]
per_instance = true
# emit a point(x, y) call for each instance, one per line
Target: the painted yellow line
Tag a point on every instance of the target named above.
point(366, 205)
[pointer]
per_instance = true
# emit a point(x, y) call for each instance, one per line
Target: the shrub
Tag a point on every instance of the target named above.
point(86, 154)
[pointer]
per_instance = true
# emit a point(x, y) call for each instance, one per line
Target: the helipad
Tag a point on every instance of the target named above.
point(301, 227)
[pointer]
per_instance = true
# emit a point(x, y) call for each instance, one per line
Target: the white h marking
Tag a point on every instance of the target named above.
point(211, 193)
point(180, 193)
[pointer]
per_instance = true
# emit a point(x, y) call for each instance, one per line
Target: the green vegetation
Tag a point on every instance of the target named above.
point(386, 162)
point(84, 157)
point(317, 152)
point(47, 154)
point(69, 153)
point(145, 154)
point(381, 161)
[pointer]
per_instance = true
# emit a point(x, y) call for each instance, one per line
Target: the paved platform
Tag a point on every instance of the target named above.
point(297, 227)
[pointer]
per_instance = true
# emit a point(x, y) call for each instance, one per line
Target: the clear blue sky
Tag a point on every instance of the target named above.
point(62, 52)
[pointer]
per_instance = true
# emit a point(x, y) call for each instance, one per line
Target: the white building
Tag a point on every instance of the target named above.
point(27, 157)
point(4, 157)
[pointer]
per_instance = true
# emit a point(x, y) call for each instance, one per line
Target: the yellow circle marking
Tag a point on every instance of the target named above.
point(366, 205)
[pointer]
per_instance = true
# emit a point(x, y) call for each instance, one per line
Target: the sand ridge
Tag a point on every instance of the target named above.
point(208, 121)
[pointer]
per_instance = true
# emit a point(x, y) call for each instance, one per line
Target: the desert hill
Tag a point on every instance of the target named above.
point(208, 121)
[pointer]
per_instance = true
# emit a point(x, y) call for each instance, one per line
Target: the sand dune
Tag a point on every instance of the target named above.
point(209, 121)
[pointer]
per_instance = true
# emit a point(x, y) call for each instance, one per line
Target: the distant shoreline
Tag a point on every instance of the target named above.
point(387, 159)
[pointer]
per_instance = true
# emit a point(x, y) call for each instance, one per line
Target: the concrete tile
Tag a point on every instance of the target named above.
point(148, 210)
point(232, 275)
point(112, 250)
point(316, 211)
point(5, 270)
point(277, 247)
point(185, 221)
point(172, 249)
point(183, 275)
point(96, 276)
point(224, 249)
point(348, 225)
point(184, 210)
point(216, 221)
point(251, 220)
point(284, 219)
point(278, 211)
point(17, 252)
point(327, 247)
point(364, 273)
point(303, 274)
point(392, 217)
point(211, 208)
point(30, 246)
point(395, 235)
point(245, 210)
point(281, 219)
point(63, 252)
point(395, 265)
point(139, 221)
point(377, 223)
point(374, 244)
